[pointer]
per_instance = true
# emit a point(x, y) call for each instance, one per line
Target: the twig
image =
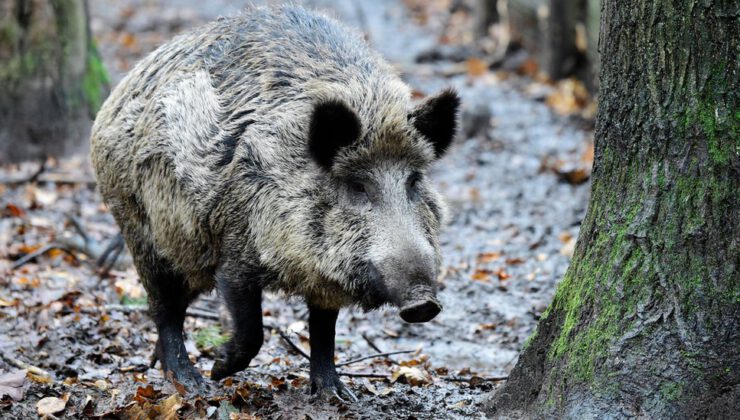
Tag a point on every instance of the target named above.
point(23, 365)
point(359, 359)
point(452, 378)
point(78, 227)
point(110, 255)
point(62, 178)
point(196, 313)
point(290, 342)
point(371, 343)
point(39, 252)
point(25, 180)
point(374, 346)
point(364, 375)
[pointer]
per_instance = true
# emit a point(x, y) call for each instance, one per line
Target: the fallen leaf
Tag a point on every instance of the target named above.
point(481, 275)
point(476, 67)
point(565, 237)
point(529, 67)
point(167, 408)
point(13, 384)
point(413, 376)
point(487, 257)
point(570, 96)
point(51, 405)
point(569, 247)
point(14, 210)
point(502, 275)
point(515, 261)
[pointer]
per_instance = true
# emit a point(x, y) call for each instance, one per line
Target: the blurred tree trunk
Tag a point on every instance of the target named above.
point(52, 80)
point(486, 14)
point(562, 35)
point(646, 320)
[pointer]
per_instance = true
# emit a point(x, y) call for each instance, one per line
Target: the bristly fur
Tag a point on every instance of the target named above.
point(202, 155)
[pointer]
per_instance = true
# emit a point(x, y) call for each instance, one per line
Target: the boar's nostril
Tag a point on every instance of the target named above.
point(420, 311)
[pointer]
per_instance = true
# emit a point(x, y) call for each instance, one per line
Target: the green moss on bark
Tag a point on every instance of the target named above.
point(95, 84)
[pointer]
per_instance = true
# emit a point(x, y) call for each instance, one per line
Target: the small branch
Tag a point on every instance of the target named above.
point(452, 378)
point(23, 365)
point(62, 178)
point(364, 375)
point(290, 342)
point(372, 344)
point(37, 253)
point(77, 225)
point(33, 177)
point(359, 359)
point(196, 313)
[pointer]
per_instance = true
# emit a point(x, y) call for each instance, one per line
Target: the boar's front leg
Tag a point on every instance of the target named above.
point(244, 301)
point(168, 300)
point(324, 379)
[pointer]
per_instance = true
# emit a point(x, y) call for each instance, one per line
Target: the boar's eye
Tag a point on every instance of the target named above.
point(357, 189)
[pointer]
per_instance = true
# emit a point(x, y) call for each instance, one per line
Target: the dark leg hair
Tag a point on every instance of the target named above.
point(244, 302)
point(324, 378)
point(168, 299)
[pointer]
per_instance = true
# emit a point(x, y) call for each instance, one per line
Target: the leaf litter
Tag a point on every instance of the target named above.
point(83, 343)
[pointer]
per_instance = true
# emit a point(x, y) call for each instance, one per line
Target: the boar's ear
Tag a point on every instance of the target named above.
point(333, 126)
point(436, 119)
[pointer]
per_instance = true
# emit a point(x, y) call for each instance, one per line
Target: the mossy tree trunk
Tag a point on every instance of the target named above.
point(646, 320)
point(51, 78)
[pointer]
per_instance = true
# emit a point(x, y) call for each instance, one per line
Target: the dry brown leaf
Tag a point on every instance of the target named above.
point(51, 405)
point(128, 40)
point(529, 67)
point(481, 275)
point(14, 210)
point(487, 257)
point(476, 67)
point(565, 237)
point(502, 275)
point(569, 247)
point(515, 261)
point(570, 96)
point(167, 408)
point(411, 375)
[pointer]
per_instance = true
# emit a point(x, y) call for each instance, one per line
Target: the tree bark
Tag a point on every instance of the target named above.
point(51, 78)
point(646, 320)
point(486, 14)
point(547, 28)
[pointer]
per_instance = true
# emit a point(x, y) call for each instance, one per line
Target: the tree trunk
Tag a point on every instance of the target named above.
point(547, 28)
point(486, 14)
point(51, 78)
point(645, 322)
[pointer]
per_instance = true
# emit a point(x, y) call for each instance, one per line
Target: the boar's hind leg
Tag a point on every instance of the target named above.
point(244, 302)
point(324, 379)
point(168, 299)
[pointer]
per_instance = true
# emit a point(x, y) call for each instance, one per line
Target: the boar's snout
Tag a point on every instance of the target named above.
point(420, 305)
point(421, 311)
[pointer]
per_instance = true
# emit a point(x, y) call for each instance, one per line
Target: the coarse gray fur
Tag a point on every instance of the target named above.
point(201, 155)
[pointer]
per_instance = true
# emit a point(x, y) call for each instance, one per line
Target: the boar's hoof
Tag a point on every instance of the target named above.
point(420, 311)
point(335, 390)
point(178, 369)
point(227, 367)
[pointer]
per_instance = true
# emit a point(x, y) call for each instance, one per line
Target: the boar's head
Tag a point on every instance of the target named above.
point(381, 219)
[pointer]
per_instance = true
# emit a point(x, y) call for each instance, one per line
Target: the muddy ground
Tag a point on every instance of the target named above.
point(515, 181)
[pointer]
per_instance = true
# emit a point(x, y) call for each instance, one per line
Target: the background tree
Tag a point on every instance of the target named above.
point(645, 321)
point(51, 78)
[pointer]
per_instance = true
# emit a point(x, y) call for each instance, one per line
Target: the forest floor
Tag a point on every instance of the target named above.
point(516, 182)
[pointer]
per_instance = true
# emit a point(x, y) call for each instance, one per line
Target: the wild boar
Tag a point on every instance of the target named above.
point(273, 150)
